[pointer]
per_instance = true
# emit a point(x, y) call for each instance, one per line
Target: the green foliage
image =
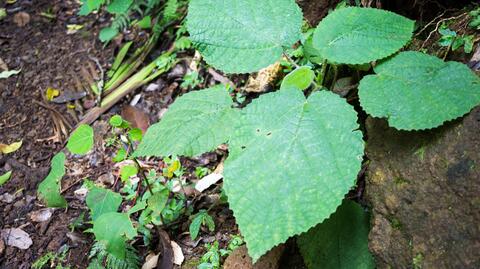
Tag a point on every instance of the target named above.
point(450, 39)
point(170, 11)
point(199, 219)
point(5, 177)
point(416, 91)
point(197, 122)
point(475, 21)
point(123, 10)
point(116, 121)
point(114, 236)
point(119, 6)
point(244, 35)
point(128, 171)
point(355, 35)
point(191, 80)
point(157, 202)
point(44, 260)
point(135, 134)
point(81, 140)
point(49, 188)
point(101, 259)
point(340, 242)
point(315, 140)
point(234, 243)
point(102, 201)
point(120, 156)
point(211, 259)
point(275, 130)
point(300, 79)
point(108, 33)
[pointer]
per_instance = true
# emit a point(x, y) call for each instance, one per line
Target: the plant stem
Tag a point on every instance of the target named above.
point(141, 170)
point(323, 72)
point(290, 60)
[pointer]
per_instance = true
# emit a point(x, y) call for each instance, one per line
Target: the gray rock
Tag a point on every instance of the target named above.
point(424, 189)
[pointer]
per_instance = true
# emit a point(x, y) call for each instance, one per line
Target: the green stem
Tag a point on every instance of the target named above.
point(323, 72)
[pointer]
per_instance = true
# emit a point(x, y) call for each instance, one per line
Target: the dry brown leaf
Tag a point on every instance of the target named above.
point(5, 149)
point(178, 257)
point(265, 78)
point(136, 117)
point(41, 215)
point(16, 237)
point(207, 181)
point(2, 247)
point(150, 261)
point(21, 19)
point(3, 65)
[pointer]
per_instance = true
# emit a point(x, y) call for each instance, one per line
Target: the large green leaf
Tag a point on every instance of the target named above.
point(360, 35)
point(417, 91)
point(102, 201)
point(113, 229)
point(197, 122)
point(291, 160)
point(243, 36)
point(290, 165)
point(340, 242)
point(49, 188)
point(81, 140)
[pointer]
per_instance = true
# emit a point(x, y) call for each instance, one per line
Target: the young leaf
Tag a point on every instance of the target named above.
point(340, 242)
point(116, 121)
point(81, 140)
point(318, 144)
point(101, 201)
point(145, 23)
point(244, 35)
point(158, 201)
point(300, 79)
point(355, 35)
point(119, 6)
point(107, 34)
point(201, 218)
point(49, 188)
point(113, 229)
point(135, 134)
point(128, 171)
point(120, 156)
point(90, 5)
point(5, 177)
point(197, 122)
point(418, 91)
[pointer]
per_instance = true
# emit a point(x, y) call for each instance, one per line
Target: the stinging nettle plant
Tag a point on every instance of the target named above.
point(292, 158)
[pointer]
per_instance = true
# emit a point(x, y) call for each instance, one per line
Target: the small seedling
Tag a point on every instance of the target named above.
point(191, 80)
point(202, 218)
point(452, 40)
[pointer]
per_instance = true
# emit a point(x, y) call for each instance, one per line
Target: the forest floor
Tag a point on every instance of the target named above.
point(50, 57)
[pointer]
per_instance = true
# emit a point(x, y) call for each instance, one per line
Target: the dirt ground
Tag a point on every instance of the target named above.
point(47, 57)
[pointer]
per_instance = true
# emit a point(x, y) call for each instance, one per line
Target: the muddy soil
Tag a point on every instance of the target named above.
point(47, 57)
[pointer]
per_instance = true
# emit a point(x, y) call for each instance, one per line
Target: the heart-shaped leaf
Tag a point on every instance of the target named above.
point(243, 36)
point(416, 91)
